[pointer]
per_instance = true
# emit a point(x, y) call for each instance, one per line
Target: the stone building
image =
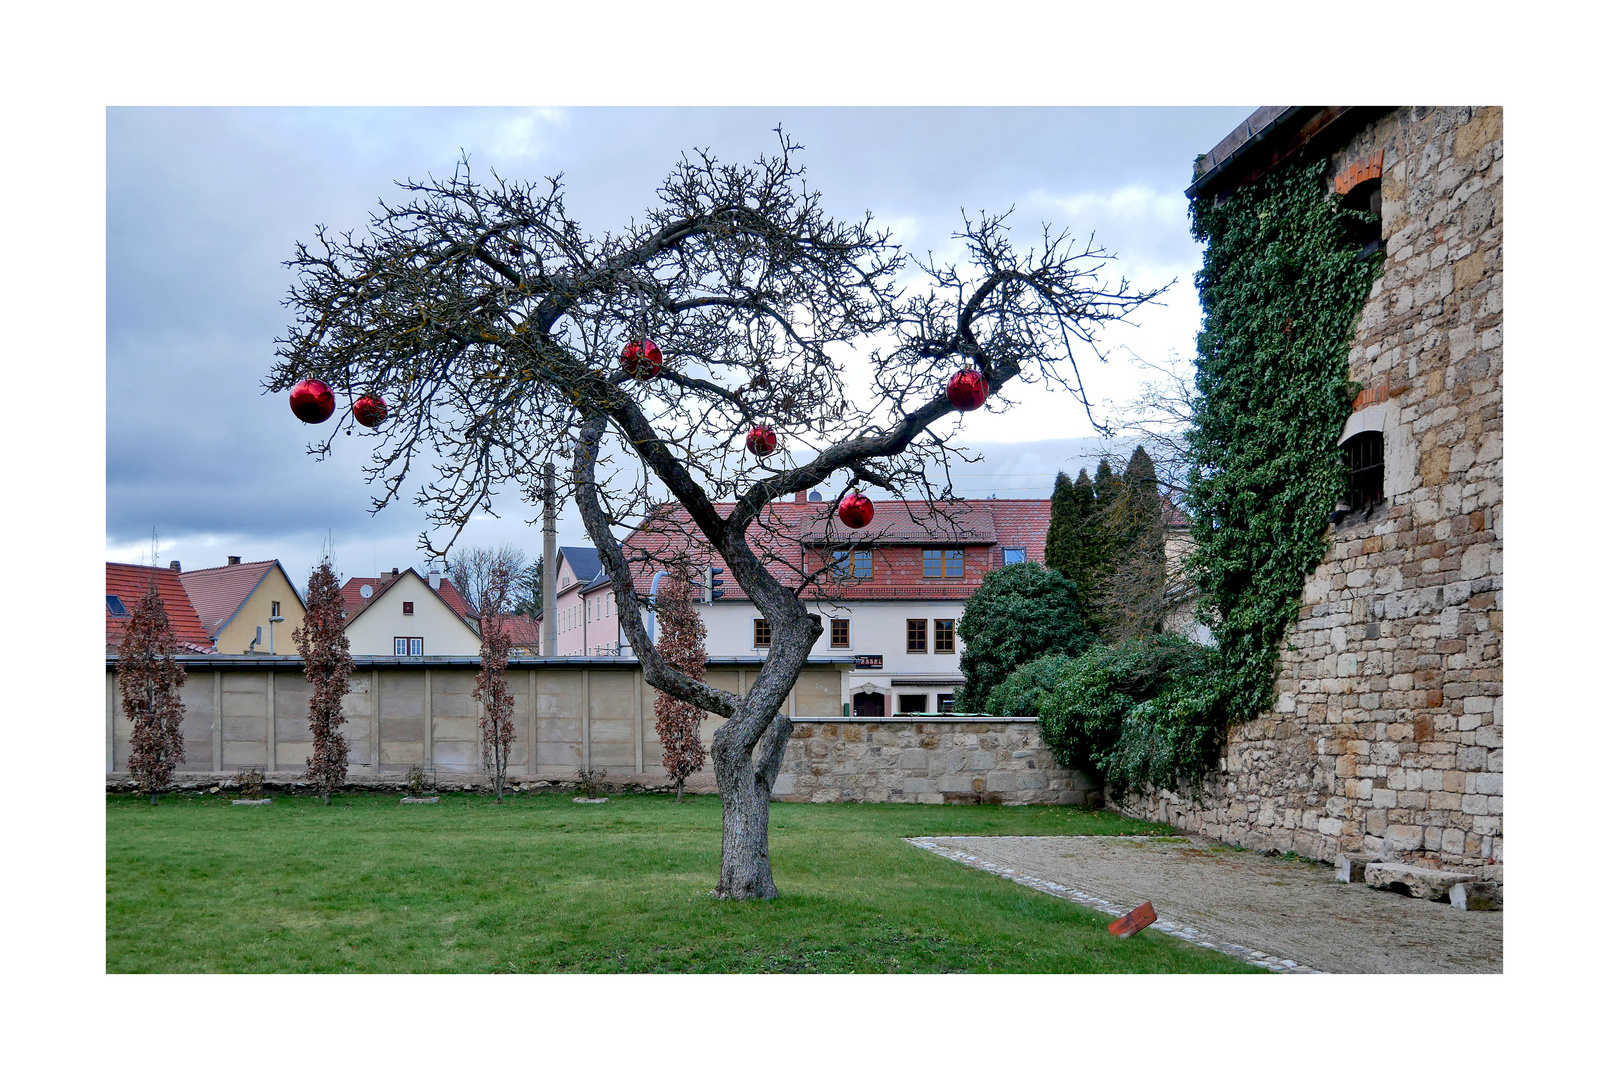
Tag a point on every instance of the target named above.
point(1387, 734)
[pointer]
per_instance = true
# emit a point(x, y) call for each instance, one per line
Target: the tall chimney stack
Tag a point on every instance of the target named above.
point(174, 566)
point(234, 560)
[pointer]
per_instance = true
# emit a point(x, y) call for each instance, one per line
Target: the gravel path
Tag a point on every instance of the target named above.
point(1280, 914)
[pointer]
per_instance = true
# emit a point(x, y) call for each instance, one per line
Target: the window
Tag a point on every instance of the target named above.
point(407, 607)
point(1365, 459)
point(115, 606)
point(916, 635)
point(946, 703)
point(941, 563)
point(1016, 555)
point(851, 563)
point(408, 646)
point(944, 635)
point(840, 633)
point(762, 634)
point(912, 703)
point(1363, 226)
point(274, 609)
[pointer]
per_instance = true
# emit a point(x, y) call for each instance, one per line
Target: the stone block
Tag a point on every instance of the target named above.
point(1404, 837)
point(1419, 882)
point(913, 759)
point(785, 784)
point(952, 782)
point(1002, 780)
point(1476, 895)
point(1350, 866)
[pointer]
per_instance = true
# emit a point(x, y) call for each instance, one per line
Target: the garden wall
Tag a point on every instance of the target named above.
point(1387, 734)
point(929, 760)
point(569, 713)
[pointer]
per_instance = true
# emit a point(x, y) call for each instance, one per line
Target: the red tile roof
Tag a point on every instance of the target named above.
point(784, 529)
point(521, 630)
point(217, 593)
point(129, 582)
point(354, 600)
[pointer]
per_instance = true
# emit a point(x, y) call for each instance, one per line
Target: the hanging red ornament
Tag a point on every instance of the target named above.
point(642, 360)
point(312, 401)
point(856, 510)
point(967, 390)
point(369, 410)
point(761, 441)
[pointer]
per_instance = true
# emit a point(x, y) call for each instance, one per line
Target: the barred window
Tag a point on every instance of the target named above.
point(944, 635)
point(840, 633)
point(945, 563)
point(762, 634)
point(1365, 458)
point(916, 635)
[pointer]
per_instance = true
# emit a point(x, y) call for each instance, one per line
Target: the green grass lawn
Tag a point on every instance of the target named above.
point(541, 884)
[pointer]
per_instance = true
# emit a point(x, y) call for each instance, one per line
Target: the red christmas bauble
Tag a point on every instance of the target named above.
point(369, 410)
point(761, 441)
point(642, 359)
point(967, 390)
point(312, 401)
point(856, 510)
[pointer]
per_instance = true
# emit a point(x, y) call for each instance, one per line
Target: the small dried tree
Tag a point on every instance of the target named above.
point(472, 572)
point(148, 678)
point(491, 685)
point(327, 660)
point(681, 643)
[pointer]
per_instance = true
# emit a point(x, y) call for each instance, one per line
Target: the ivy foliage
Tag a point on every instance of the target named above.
point(1019, 612)
point(1281, 289)
point(1133, 711)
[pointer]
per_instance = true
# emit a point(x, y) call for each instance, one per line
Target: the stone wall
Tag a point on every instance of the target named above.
point(1387, 735)
point(930, 760)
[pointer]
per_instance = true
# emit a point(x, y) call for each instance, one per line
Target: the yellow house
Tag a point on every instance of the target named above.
point(246, 607)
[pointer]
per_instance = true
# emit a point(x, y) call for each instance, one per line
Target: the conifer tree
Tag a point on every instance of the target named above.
point(327, 660)
point(1061, 537)
point(681, 643)
point(148, 680)
point(491, 684)
point(1131, 596)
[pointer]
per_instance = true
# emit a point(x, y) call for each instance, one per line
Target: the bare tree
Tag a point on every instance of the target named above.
point(681, 643)
point(491, 684)
point(503, 336)
point(148, 680)
point(327, 662)
point(473, 570)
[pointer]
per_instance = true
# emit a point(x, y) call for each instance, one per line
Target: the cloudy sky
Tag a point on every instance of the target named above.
point(203, 205)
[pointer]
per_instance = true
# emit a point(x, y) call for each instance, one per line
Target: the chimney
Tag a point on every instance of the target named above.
point(388, 577)
point(799, 496)
point(234, 560)
point(435, 580)
point(174, 566)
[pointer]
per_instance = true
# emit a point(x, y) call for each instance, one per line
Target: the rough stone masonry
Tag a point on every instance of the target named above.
point(1387, 735)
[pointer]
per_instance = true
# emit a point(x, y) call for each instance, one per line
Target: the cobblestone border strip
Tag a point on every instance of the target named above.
point(1066, 892)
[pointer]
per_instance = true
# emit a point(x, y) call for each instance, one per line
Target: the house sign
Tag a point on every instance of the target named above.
point(870, 661)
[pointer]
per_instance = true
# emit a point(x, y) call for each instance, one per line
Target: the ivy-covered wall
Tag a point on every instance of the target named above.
point(1362, 662)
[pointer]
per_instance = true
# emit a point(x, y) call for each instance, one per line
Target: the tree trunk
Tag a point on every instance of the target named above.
point(745, 779)
point(326, 796)
point(678, 791)
point(153, 798)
